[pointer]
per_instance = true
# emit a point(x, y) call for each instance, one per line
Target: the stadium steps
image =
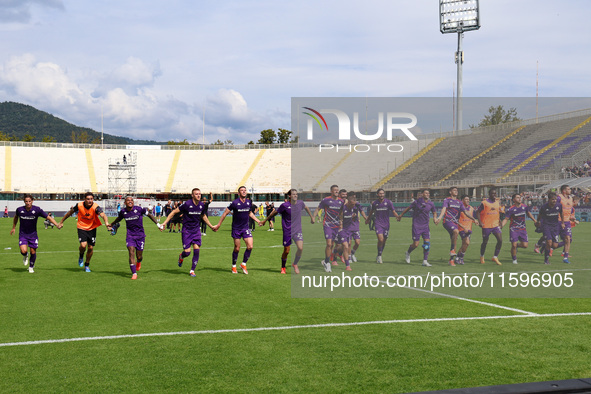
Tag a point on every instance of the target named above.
point(91, 172)
point(479, 156)
point(524, 144)
point(329, 173)
point(544, 149)
point(172, 173)
point(254, 164)
point(404, 166)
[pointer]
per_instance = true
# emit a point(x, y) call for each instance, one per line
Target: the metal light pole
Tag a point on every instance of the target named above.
point(458, 16)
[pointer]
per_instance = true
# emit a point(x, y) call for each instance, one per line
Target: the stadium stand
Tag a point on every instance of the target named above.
point(74, 170)
point(353, 170)
point(486, 157)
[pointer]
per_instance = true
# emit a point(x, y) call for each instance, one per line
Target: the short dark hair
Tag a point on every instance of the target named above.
point(337, 186)
point(342, 191)
point(27, 195)
point(464, 196)
point(351, 194)
point(380, 190)
point(551, 195)
point(563, 187)
point(515, 195)
point(451, 188)
point(88, 194)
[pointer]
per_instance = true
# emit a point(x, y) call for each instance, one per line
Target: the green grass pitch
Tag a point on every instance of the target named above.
point(429, 343)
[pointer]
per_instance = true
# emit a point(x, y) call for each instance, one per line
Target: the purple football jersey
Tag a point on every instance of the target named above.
point(517, 214)
point(134, 220)
point(453, 208)
point(332, 210)
point(28, 219)
point(240, 214)
point(421, 210)
point(192, 216)
point(351, 217)
point(296, 216)
point(285, 211)
point(382, 212)
point(549, 216)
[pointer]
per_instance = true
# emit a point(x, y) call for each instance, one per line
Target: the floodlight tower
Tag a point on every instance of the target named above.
point(458, 16)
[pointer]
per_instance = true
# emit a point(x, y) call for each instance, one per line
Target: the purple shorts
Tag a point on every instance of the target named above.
point(331, 232)
point(567, 231)
point(354, 235)
point(237, 234)
point(383, 230)
point(518, 235)
point(191, 238)
point(343, 236)
point(465, 234)
point(417, 233)
point(486, 232)
point(450, 227)
point(551, 232)
point(136, 242)
point(297, 236)
point(31, 240)
point(286, 239)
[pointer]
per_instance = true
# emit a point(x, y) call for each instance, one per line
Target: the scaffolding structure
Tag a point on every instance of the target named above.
point(123, 175)
point(122, 178)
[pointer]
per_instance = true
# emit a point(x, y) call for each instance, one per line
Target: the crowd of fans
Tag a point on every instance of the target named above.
point(582, 170)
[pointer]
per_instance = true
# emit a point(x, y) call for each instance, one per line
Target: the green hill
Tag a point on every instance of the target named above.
point(21, 122)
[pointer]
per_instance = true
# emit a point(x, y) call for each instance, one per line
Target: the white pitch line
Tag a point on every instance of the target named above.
point(467, 299)
point(474, 301)
point(326, 325)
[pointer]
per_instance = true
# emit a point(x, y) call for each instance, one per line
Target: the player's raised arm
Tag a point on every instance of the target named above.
point(362, 213)
point(314, 214)
point(309, 213)
point(52, 221)
point(169, 218)
point(153, 218)
point(103, 215)
point(67, 215)
point(254, 217)
point(441, 215)
point(206, 220)
point(399, 218)
point(271, 215)
point(369, 215)
point(217, 226)
point(14, 223)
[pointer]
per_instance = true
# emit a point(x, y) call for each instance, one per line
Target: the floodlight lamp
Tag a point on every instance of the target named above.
point(459, 15)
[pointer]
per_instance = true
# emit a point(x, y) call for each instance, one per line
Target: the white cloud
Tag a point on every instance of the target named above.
point(19, 11)
point(130, 107)
point(43, 83)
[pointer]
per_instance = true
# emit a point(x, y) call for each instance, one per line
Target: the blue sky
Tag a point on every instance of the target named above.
point(154, 67)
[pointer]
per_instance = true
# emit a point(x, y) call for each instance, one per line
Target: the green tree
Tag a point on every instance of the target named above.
point(267, 137)
point(183, 142)
point(28, 138)
point(81, 138)
point(225, 142)
point(48, 139)
point(4, 137)
point(283, 136)
point(498, 115)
